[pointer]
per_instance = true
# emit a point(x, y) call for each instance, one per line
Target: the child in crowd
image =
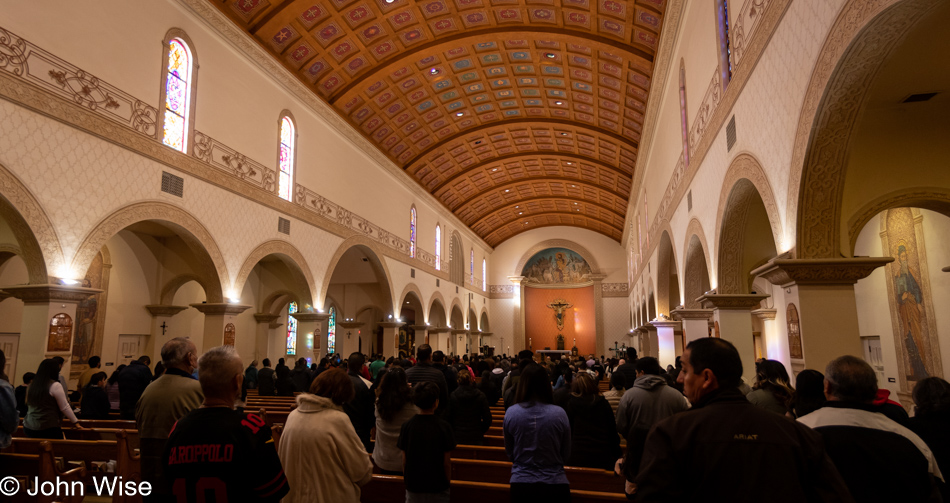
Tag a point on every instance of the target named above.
point(426, 442)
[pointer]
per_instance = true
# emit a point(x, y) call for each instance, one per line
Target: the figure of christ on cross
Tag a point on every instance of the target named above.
point(559, 306)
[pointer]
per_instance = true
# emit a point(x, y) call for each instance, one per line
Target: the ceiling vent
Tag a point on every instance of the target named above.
point(731, 134)
point(365, 259)
point(283, 225)
point(412, 273)
point(689, 201)
point(919, 97)
point(171, 184)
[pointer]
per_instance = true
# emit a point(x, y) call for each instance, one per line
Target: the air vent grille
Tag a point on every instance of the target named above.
point(919, 97)
point(689, 201)
point(412, 273)
point(283, 225)
point(731, 133)
point(171, 184)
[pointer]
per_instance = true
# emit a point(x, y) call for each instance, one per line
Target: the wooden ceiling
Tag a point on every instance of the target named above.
point(516, 114)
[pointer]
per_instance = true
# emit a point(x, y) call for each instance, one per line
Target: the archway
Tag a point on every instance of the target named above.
point(412, 313)
point(696, 275)
point(745, 238)
point(668, 291)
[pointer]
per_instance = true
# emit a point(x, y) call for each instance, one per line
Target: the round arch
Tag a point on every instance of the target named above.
point(275, 302)
point(373, 252)
point(413, 289)
point(456, 307)
point(172, 286)
point(483, 322)
point(437, 297)
point(667, 287)
point(37, 240)
point(290, 256)
point(930, 198)
point(210, 262)
point(559, 243)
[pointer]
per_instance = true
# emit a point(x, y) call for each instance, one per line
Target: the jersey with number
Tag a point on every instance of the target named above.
point(217, 455)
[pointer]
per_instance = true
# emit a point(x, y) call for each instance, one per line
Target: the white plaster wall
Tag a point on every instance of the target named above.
point(12, 272)
point(501, 317)
point(616, 324)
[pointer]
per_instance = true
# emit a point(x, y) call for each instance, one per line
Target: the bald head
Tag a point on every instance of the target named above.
point(220, 371)
point(180, 353)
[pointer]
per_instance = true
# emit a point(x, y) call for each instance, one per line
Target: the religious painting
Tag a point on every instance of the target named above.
point(90, 317)
point(60, 334)
point(556, 266)
point(794, 333)
point(908, 287)
point(407, 334)
point(229, 334)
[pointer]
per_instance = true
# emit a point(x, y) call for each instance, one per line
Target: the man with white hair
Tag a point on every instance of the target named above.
point(217, 449)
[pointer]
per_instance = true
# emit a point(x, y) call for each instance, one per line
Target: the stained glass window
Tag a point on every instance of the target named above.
point(287, 138)
point(412, 232)
point(331, 332)
point(438, 248)
point(725, 50)
point(292, 329)
point(484, 275)
point(471, 268)
point(177, 95)
point(683, 122)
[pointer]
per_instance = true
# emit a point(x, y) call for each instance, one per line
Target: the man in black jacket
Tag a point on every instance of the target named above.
point(362, 408)
point(629, 368)
point(266, 379)
point(451, 375)
point(424, 371)
point(708, 452)
point(132, 382)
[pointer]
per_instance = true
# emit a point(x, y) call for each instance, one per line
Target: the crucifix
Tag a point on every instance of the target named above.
point(559, 306)
point(164, 327)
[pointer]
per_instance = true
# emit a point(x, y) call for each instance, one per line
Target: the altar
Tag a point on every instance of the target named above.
point(555, 354)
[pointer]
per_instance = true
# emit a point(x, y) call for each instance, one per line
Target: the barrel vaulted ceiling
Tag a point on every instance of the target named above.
point(516, 114)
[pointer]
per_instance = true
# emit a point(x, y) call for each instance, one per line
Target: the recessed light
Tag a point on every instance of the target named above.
point(526, 223)
point(459, 114)
point(558, 102)
point(575, 204)
point(506, 191)
point(550, 55)
point(519, 212)
point(569, 163)
point(563, 134)
point(516, 207)
point(494, 170)
point(434, 71)
point(572, 186)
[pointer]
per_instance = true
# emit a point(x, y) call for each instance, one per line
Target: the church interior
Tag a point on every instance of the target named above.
point(303, 178)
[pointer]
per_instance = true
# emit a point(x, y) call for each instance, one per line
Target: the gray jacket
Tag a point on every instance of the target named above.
point(649, 401)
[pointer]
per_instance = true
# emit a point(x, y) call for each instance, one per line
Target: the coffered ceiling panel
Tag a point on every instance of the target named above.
point(515, 114)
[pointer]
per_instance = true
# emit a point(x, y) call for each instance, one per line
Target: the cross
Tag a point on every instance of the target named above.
point(164, 326)
point(559, 305)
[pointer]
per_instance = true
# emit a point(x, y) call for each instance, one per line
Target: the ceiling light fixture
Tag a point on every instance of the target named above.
point(520, 212)
point(563, 134)
point(506, 191)
point(550, 55)
point(494, 170)
point(459, 114)
point(434, 71)
point(558, 102)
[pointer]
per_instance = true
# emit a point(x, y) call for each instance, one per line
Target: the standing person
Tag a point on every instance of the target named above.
point(377, 364)
point(865, 445)
point(615, 393)
point(450, 373)
point(426, 442)
point(20, 393)
point(772, 390)
point(809, 392)
point(95, 401)
point(393, 408)
point(112, 388)
point(132, 382)
point(594, 439)
point(284, 384)
point(648, 401)
point(468, 412)
point(159, 371)
point(324, 459)
point(62, 379)
point(9, 419)
point(280, 364)
point(931, 422)
point(628, 369)
point(424, 371)
point(265, 379)
point(300, 375)
point(218, 449)
point(47, 404)
point(170, 398)
point(486, 387)
point(94, 363)
point(537, 467)
point(695, 455)
point(250, 375)
point(360, 408)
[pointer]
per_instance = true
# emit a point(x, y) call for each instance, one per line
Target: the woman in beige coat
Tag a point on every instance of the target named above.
point(323, 458)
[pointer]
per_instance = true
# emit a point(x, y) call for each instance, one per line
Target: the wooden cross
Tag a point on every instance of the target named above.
point(164, 327)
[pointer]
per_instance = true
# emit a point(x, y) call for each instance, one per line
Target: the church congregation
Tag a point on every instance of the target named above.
point(474, 251)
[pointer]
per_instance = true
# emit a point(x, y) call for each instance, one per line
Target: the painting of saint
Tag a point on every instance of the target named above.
point(556, 266)
point(909, 311)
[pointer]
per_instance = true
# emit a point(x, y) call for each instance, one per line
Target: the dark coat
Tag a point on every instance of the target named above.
point(361, 410)
point(266, 383)
point(469, 415)
point(629, 372)
point(132, 382)
point(934, 428)
point(301, 378)
point(700, 454)
point(95, 403)
point(595, 442)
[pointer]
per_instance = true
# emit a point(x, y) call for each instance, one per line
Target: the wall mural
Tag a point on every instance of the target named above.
point(90, 317)
point(908, 287)
point(556, 266)
point(794, 333)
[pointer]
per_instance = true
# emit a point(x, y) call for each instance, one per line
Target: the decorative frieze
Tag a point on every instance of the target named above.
point(614, 289)
point(31, 294)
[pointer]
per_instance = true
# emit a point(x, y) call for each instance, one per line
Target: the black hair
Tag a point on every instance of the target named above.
point(94, 381)
point(648, 365)
point(266, 362)
point(617, 381)
point(28, 377)
point(931, 395)
point(423, 353)
point(438, 356)
point(46, 375)
point(94, 362)
point(631, 354)
point(355, 362)
point(3, 363)
point(719, 356)
point(392, 394)
point(425, 394)
point(115, 373)
point(809, 392)
point(534, 385)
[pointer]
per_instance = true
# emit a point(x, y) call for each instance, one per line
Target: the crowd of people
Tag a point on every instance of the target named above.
point(694, 429)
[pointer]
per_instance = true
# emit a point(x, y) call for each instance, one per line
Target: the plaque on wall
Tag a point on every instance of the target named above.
point(60, 334)
point(229, 334)
point(794, 333)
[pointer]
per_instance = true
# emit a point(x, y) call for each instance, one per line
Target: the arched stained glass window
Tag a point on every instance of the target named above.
point(291, 329)
point(412, 232)
point(438, 248)
point(288, 140)
point(484, 275)
point(683, 121)
point(725, 50)
point(471, 268)
point(177, 95)
point(331, 332)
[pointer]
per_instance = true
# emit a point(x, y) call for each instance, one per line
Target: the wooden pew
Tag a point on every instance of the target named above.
point(42, 465)
point(482, 452)
point(132, 436)
point(388, 488)
point(499, 472)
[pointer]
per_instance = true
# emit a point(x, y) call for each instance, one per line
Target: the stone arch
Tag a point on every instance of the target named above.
point(695, 270)
point(483, 322)
point(290, 256)
point(413, 289)
point(210, 262)
point(559, 243)
point(931, 198)
point(456, 259)
point(373, 252)
point(432, 310)
point(274, 302)
point(747, 167)
point(37, 240)
point(456, 307)
point(171, 287)
point(862, 37)
point(667, 282)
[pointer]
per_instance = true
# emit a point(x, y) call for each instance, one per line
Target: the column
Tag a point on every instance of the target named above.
point(474, 340)
point(457, 341)
point(824, 292)
point(439, 338)
point(40, 304)
point(348, 338)
point(770, 337)
point(518, 341)
point(666, 340)
point(598, 280)
point(695, 323)
point(162, 330)
point(734, 314)
point(422, 335)
point(310, 329)
point(266, 323)
point(217, 315)
point(486, 340)
point(648, 341)
point(390, 337)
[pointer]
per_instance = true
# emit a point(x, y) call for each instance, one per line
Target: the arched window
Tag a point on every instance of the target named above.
point(438, 248)
point(412, 232)
point(291, 329)
point(484, 275)
point(725, 51)
point(287, 157)
point(471, 268)
point(683, 115)
point(177, 93)
point(331, 332)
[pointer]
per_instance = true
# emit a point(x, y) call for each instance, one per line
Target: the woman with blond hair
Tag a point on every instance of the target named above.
point(772, 390)
point(322, 457)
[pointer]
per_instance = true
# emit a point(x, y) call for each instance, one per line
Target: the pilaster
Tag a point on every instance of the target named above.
point(346, 341)
point(262, 334)
point(666, 339)
point(695, 322)
point(518, 324)
point(598, 280)
point(733, 312)
point(217, 315)
point(390, 337)
point(160, 329)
